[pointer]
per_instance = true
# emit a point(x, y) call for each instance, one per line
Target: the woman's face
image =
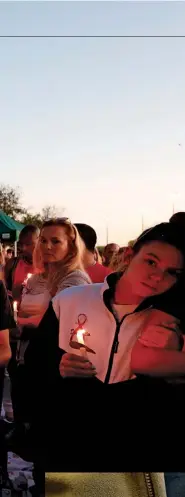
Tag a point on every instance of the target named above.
point(53, 244)
point(154, 269)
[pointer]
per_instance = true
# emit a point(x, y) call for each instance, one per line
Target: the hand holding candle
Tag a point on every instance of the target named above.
point(78, 365)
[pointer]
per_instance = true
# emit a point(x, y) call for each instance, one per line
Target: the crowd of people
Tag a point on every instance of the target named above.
point(93, 343)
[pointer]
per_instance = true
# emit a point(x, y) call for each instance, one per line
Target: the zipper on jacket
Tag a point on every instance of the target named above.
point(115, 345)
point(149, 485)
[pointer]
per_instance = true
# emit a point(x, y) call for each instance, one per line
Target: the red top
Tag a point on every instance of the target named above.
point(98, 273)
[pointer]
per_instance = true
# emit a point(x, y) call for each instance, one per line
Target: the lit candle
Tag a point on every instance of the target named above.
point(15, 311)
point(80, 338)
point(27, 278)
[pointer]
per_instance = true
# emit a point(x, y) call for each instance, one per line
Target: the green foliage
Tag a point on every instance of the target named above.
point(100, 249)
point(131, 243)
point(48, 212)
point(10, 201)
point(32, 219)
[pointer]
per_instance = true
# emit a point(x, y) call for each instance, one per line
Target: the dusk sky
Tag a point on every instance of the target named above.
point(95, 125)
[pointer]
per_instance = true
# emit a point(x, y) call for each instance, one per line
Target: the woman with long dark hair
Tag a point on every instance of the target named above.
point(134, 324)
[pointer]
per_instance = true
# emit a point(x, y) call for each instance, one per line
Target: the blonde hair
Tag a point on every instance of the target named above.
point(57, 271)
point(2, 257)
point(117, 262)
point(97, 256)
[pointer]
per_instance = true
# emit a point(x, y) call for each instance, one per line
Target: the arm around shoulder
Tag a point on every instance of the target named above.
point(156, 361)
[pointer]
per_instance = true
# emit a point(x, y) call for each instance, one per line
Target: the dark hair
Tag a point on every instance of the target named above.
point(29, 228)
point(88, 235)
point(170, 233)
point(178, 218)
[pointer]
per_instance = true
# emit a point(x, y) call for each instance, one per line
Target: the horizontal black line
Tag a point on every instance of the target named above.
point(92, 36)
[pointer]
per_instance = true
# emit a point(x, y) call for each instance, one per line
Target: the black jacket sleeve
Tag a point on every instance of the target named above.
point(42, 359)
point(6, 316)
point(46, 387)
point(43, 354)
point(9, 270)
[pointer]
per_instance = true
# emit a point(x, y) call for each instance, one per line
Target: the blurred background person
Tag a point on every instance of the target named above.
point(6, 322)
point(8, 253)
point(117, 262)
point(16, 272)
point(178, 218)
point(4, 377)
point(2, 262)
point(98, 257)
point(17, 268)
point(108, 252)
point(96, 271)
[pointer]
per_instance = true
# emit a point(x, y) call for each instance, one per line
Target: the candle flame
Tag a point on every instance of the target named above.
point(80, 335)
point(28, 276)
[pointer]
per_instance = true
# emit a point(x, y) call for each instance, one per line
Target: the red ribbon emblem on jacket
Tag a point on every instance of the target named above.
point(82, 319)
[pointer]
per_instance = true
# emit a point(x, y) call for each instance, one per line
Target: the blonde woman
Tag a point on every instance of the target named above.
point(58, 265)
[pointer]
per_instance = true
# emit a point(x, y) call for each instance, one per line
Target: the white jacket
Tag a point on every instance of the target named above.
point(102, 328)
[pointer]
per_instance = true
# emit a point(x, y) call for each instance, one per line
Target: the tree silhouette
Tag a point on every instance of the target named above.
point(10, 201)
